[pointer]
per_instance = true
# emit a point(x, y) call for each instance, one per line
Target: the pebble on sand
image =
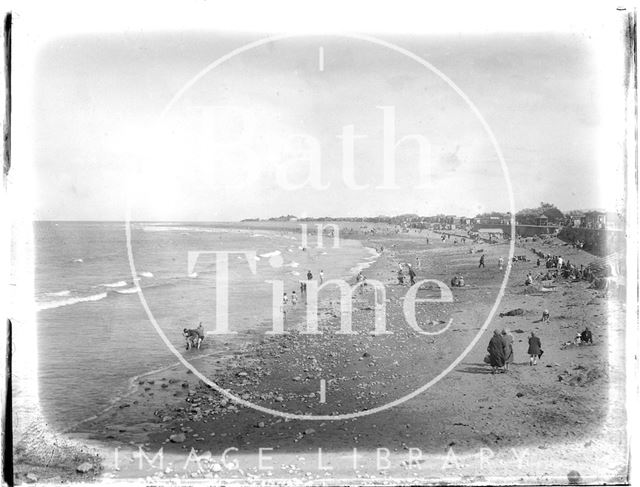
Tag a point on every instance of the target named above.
point(84, 467)
point(177, 438)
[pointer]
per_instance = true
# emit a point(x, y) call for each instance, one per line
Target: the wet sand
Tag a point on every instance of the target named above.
point(533, 424)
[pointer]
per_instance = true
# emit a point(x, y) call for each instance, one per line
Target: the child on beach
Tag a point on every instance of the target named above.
point(294, 298)
point(481, 261)
point(285, 298)
point(535, 349)
point(545, 316)
point(321, 277)
point(500, 263)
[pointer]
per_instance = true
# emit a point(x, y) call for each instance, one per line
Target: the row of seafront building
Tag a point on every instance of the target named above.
point(594, 220)
point(598, 232)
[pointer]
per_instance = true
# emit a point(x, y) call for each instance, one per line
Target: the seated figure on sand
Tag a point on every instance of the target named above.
point(586, 336)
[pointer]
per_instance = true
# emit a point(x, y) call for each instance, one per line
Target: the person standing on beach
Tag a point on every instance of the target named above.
point(418, 263)
point(294, 298)
point(412, 275)
point(496, 351)
point(507, 338)
point(285, 299)
point(309, 275)
point(500, 263)
point(535, 349)
point(481, 261)
point(321, 277)
point(200, 332)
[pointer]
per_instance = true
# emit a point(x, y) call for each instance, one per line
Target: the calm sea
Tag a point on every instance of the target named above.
point(94, 336)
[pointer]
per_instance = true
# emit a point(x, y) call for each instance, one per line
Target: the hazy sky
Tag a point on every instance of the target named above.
point(220, 152)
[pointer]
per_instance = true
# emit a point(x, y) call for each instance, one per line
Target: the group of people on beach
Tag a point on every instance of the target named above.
point(447, 236)
point(500, 350)
point(410, 272)
point(557, 267)
point(457, 281)
point(582, 338)
point(303, 288)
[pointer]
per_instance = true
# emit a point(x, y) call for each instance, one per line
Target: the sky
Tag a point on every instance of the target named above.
point(150, 122)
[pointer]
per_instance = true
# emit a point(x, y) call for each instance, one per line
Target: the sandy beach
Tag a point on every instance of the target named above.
point(533, 424)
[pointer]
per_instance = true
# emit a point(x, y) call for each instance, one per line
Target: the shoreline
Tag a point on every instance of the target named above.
point(209, 422)
point(295, 318)
point(356, 254)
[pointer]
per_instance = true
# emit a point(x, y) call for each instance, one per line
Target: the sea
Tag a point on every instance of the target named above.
point(95, 338)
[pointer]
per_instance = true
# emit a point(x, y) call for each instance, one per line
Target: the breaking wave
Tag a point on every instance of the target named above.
point(70, 301)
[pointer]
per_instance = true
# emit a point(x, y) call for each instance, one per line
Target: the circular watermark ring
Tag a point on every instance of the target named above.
point(463, 354)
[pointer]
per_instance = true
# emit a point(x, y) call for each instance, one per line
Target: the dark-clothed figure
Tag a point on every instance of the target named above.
point(412, 276)
point(535, 349)
point(586, 336)
point(496, 352)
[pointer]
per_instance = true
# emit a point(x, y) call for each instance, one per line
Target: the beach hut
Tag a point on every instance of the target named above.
point(542, 220)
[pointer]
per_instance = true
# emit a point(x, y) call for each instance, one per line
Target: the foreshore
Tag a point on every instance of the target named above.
point(533, 424)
